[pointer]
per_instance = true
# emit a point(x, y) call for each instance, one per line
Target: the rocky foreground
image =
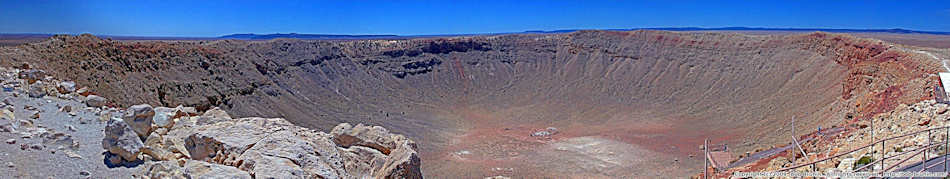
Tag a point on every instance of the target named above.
point(54, 129)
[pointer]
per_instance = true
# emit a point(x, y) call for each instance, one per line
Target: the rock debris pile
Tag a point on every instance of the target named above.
point(143, 141)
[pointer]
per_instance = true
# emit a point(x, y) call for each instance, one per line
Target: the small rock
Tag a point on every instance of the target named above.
point(7, 113)
point(71, 154)
point(216, 113)
point(6, 128)
point(846, 164)
point(191, 111)
point(164, 117)
point(200, 169)
point(95, 101)
point(31, 75)
point(540, 134)
point(36, 147)
point(84, 173)
point(11, 141)
point(70, 128)
point(66, 109)
point(66, 87)
point(10, 164)
point(83, 91)
point(36, 91)
point(154, 140)
point(36, 115)
point(544, 133)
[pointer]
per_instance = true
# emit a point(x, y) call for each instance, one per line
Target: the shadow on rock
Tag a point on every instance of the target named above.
point(113, 161)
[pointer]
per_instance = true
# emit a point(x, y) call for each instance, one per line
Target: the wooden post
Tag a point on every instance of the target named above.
point(705, 159)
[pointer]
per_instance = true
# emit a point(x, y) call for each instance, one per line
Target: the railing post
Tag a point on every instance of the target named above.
point(929, 142)
point(705, 159)
point(793, 140)
point(871, 148)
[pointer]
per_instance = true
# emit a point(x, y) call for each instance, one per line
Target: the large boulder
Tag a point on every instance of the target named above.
point(191, 169)
point(294, 154)
point(204, 170)
point(139, 117)
point(161, 169)
point(121, 140)
point(95, 101)
point(376, 137)
point(275, 148)
point(222, 142)
point(385, 154)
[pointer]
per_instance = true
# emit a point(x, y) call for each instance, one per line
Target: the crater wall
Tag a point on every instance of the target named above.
point(658, 92)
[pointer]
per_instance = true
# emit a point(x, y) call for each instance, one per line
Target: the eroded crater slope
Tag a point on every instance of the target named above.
point(519, 105)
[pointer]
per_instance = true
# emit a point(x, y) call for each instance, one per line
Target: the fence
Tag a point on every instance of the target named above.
point(883, 153)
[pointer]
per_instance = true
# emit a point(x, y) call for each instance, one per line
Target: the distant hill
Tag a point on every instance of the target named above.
point(897, 31)
point(13, 39)
point(303, 36)
point(356, 37)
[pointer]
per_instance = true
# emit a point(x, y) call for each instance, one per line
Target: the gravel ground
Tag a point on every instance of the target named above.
point(48, 148)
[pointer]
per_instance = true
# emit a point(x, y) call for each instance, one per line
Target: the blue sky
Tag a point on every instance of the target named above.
point(215, 18)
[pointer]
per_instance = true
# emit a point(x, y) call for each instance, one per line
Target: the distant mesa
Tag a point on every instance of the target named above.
point(303, 36)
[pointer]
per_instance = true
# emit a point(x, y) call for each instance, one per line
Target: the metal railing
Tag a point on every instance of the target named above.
point(915, 152)
point(921, 150)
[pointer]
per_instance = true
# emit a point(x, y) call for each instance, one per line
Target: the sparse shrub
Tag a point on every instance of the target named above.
point(865, 160)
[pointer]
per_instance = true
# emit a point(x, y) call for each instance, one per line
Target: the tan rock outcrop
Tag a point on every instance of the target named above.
point(262, 147)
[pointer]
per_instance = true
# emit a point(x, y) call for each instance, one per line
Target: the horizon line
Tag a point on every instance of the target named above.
point(731, 28)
